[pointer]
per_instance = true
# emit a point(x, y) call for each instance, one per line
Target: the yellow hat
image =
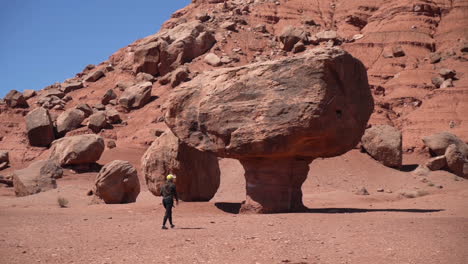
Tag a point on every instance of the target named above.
point(170, 177)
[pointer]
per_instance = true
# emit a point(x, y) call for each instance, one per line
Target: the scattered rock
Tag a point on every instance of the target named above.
point(434, 58)
point(384, 143)
point(38, 177)
point(398, 51)
point(180, 75)
point(117, 183)
point(229, 25)
point(136, 96)
point(260, 28)
point(15, 99)
point(455, 160)
point(97, 121)
point(85, 108)
point(77, 150)
point(380, 190)
point(122, 85)
point(438, 143)
point(99, 107)
point(436, 163)
point(212, 59)
point(40, 128)
point(437, 81)
point(144, 77)
point(291, 36)
point(362, 191)
point(111, 144)
point(29, 94)
point(198, 174)
point(109, 95)
point(72, 86)
point(94, 76)
point(69, 120)
point(447, 73)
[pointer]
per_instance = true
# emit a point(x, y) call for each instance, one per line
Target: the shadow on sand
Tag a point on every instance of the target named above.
point(409, 167)
point(234, 208)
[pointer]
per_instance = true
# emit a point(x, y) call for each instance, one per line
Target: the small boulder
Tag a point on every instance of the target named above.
point(212, 59)
point(15, 99)
point(71, 86)
point(117, 183)
point(69, 120)
point(455, 160)
point(77, 150)
point(111, 144)
point(362, 191)
point(299, 47)
point(326, 36)
point(384, 143)
point(203, 17)
point(85, 108)
point(99, 107)
point(447, 83)
point(122, 85)
point(437, 81)
point(29, 94)
point(398, 52)
point(229, 25)
point(94, 76)
point(438, 143)
point(180, 75)
point(434, 58)
point(40, 128)
point(136, 96)
point(109, 95)
point(291, 36)
point(97, 121)
point(38, 177)
point(436, 163)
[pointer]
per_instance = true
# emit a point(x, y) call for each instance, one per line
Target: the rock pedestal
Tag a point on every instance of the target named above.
point(274, 185)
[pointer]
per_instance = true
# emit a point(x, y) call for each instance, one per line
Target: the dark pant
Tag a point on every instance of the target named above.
point(168, 204)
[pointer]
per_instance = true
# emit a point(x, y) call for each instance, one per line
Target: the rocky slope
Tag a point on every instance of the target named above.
point(403, 44)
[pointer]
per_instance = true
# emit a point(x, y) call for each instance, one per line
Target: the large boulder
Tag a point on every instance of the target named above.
point(117, 183)
point(275, 117)
point(15, 99)
point(384, 143)
point(69, 120)
point(40, 128)
point(4, 159)
point(438, 143)
point(171, 48)
point(197, 172)
point(38, 177)
point(455, 160)
point(77, 150)
point(136, 96)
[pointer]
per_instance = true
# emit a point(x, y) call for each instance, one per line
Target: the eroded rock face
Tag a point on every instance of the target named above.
point(38, 177)
point(198, 174)
point(384, 143)
point(40, 128)
point(117, 183)
point(171, 48)
point(77, 150)
point(287, 111)
point(136, 96)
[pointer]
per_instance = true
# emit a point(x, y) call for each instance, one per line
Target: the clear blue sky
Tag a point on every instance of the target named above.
point(47, 41)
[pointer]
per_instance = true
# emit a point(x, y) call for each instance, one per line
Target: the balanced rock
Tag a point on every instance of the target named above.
point(38, 177)
point(455, 160)
point(69, 120)
point(97, 121)
point(136, 96)
point(77, 150)
point(40, 128)
point(384, 143)
point(275, 117)
point(438, 143)
point(15, 99)
point(198, 174)
point(117, 183)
